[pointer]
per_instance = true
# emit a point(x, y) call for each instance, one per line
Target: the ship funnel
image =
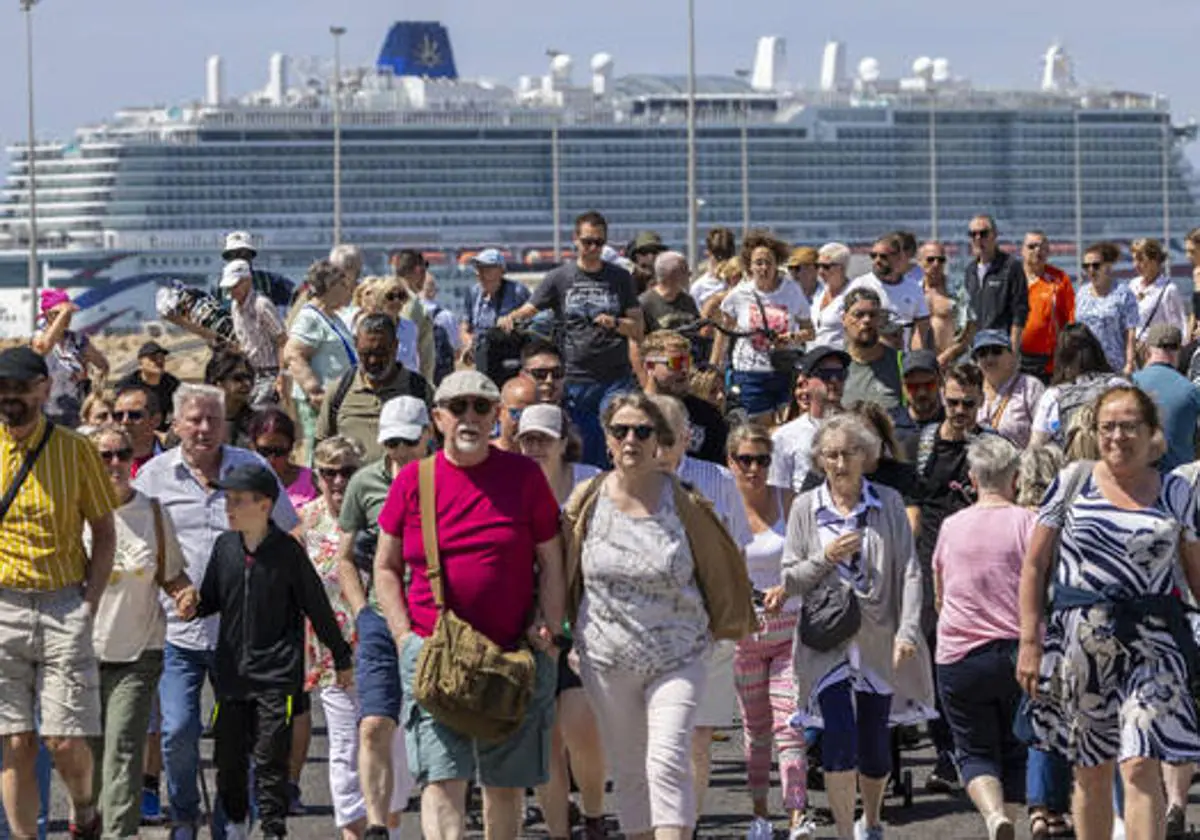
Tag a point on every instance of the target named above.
point(602, 68)
point(215, 82)
point(1057, 73)
point(769, 61)
point(277, 79)
point(560, 71)
point(833, 66)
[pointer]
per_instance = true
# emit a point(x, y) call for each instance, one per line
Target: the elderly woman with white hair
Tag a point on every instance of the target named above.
point(827, 306)
point(977, 576)
point(860, 662)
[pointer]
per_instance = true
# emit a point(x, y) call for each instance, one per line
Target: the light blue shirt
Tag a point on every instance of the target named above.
point(716, 483)
point(198, 515)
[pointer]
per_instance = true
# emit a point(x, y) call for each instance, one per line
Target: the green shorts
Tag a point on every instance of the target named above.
point(439, 754)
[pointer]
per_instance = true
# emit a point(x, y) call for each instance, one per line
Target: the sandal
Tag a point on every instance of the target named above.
point(1059, 826)
point(1039, 827)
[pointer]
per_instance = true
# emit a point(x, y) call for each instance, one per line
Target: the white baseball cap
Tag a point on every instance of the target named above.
point(543, 418)
point(402, 417)
point(235, 272)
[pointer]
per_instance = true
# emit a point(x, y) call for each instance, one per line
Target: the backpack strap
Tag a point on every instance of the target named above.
point(339, 396)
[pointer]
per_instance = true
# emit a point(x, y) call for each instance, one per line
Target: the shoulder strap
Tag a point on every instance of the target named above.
point(160, 542)
point(339, 396)
point(347, 346)
point(23, 473)
point(925, 448)
point(428, 505)
point(1157, 303)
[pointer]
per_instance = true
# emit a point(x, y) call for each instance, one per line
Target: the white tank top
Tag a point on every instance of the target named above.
point(764, 555)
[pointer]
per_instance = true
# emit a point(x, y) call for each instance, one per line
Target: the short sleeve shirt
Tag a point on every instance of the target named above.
point(781, 311)
point(591, 353)
point(331, 342)
point(257, 327)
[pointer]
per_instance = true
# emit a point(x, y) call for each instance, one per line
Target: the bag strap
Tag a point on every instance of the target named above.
point(23, 473)
point(340, 333)
point(160, 542)
point(339, 396)
point(1157, 303)
point(428, 506)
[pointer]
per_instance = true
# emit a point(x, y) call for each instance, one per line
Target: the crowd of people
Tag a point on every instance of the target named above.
point(505, 559)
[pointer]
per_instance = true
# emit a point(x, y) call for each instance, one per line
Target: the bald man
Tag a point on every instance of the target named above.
point(516, 394)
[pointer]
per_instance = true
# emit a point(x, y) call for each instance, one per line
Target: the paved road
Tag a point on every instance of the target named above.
point(728, 805)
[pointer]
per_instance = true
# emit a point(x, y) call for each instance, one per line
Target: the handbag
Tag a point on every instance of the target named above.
point(830, 616)
point(31, 457)
point(463, 679)
point(783, 359)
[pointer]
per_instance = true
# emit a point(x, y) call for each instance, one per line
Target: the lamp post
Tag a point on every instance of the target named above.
point(1078, 188)
point(691, 136)
point(337, 32)
point(30, 162)
point(934, 209)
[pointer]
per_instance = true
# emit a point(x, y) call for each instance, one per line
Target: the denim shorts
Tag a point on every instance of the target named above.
point(762, 391)
point(439, 754)
point(376, 673)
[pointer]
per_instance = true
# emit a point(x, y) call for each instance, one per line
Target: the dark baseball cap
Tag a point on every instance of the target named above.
point(813, 358)
point(991, 338)
point(253, 478)
point(22, 364)
point(919, 361)
point(151, 348)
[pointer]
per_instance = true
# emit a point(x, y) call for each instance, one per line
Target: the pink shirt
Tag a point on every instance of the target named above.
point(978, 556)
point(303, 490)
point(490, 518)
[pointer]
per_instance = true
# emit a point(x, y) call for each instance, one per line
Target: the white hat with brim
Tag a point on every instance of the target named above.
point(402, 417)
point(237, 241)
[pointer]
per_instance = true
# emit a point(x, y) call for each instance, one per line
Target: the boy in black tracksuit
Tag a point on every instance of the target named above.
point(262, 583)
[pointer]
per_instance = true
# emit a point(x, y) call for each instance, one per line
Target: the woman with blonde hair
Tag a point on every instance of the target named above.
point(1158, 299)
point(390, 296)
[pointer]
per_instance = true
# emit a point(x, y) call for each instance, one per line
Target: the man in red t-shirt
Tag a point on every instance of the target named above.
point(502, 562)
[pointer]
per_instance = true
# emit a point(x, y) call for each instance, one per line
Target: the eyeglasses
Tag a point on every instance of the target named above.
point(880, 255)
point(1127, 428)
point(795, 269)
point(107, 455)
point(392, 443)
point(748, 461)
point(979, 234)
point(460, 405)
point(591, 242)
point(1092, 266)
point(675, 363)
point(837, 374)
point(129, 416)
point(330, 473)
point(965, 402)
point(392, 297)
point(826, 266)
point(836, 455)
point(932, 260)
point(620, 431)
point(273, 451)
point(986, 352)
point(544, 374)
point(1034, 246)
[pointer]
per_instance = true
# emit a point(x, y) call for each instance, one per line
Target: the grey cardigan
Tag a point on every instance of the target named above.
point(890, 610)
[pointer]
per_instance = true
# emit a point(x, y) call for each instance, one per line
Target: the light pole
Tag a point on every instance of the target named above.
point(555, 186)
point(1166, 185)
point(934, 209)
point(31, 161)
point(1078, 188)
point(337, 32)
point(691, 136)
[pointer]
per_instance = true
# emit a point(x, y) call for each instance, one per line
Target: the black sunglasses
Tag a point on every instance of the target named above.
point(459, 405)
point(932, 260)
point(837, 374)
point(330, 473)
point(392, 443)
point(966, 402)
point(620, 431)
point(273, 451)
point(116, 454)
point(991, 350)
point(747, 461)
point(128, 416)
point(826, 266)
point(1092, 266)
point(878, 255)
point(980, 234)
point(394, 296)
point(591, 241)
point(544, 374)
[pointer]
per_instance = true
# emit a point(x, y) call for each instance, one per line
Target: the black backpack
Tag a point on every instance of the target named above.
point(443, 348)
point(411, 383)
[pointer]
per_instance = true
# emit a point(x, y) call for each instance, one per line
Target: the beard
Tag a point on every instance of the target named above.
point(17, 412)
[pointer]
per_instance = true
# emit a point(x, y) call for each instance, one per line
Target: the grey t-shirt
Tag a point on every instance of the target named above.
point(591, 353)
point(878, 382)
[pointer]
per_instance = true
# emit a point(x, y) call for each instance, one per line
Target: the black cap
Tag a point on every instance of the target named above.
point(22, 364)
point(151, 348)
point(923, 361)
point(814, 357)
point(253, 478)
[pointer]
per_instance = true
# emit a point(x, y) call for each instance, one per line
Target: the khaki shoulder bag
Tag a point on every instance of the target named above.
point(463, 679)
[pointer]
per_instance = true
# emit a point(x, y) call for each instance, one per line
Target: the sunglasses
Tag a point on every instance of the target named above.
point(392, 443)
point(544, 374)
point(837, 374)
point(591, 242)
point(273, 451)
point(747, 461)
point(1092, 266)
point(986, 352)
point(392, 297)
point(107, 455)
point(1033, 246)
point(932, 260)
point(979, 234)
point(128, 416)
point(330, 473)
point(460, 405)
point(620, 431)
point(675, 363)
point(920, 387)
point(796, 269)
point(879, 255)
point(826, 266)
point(965, 402)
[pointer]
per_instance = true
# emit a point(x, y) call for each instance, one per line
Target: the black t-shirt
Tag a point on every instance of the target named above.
point(164, 390)
point(590, 353)
point(662, 314)
point(942, 489)
point(707, 430)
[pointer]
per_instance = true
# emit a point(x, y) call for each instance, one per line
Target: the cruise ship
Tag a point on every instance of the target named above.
point(449, 165)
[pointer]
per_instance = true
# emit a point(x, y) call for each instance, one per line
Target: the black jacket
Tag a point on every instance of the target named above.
point(1001, 299)
point(263, 598)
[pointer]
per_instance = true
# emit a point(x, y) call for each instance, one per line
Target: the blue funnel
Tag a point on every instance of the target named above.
point(417, 48)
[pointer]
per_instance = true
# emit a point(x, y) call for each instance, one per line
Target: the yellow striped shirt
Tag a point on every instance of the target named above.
point(41, 538)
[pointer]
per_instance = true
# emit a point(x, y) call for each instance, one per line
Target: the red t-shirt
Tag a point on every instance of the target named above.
point(490, 518)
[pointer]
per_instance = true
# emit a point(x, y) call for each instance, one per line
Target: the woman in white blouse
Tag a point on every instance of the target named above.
point(828, 306)
point(1158, 299)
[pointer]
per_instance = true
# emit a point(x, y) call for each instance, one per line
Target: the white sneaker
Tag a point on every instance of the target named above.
point(1000, 827)
point(806, 829)
point(863, 832)
point(1118, 829)
point(760, 829)
point(237, 831)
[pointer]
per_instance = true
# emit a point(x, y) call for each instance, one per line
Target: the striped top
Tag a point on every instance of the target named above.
point(41, 538)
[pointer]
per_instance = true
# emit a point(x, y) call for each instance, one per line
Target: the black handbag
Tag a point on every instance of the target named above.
point(830, 615)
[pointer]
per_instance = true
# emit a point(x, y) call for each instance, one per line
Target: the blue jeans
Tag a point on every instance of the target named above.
point(43, 767)
point(586, 401)
point(1048, 781)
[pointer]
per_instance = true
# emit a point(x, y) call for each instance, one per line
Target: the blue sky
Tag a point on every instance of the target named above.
point(94, 56)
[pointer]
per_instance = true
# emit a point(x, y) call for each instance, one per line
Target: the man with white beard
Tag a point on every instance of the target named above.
point(501, 556)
